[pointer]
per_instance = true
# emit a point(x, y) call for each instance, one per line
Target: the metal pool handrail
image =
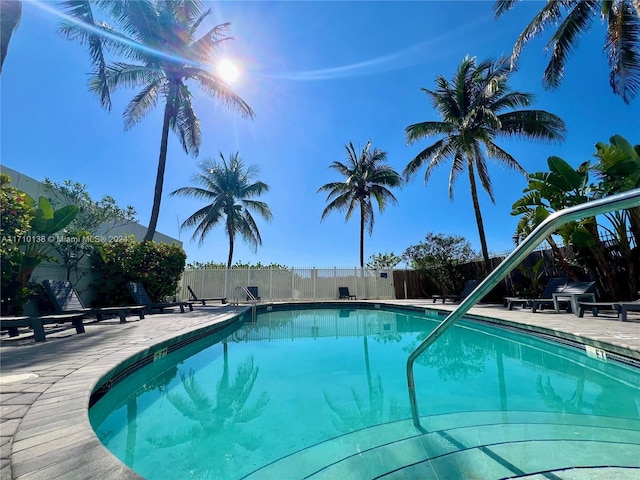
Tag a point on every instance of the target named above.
point(250, 297)
point(620, 201)
point(246, 291)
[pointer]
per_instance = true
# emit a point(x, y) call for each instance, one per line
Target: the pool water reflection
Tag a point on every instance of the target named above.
point(228, 405)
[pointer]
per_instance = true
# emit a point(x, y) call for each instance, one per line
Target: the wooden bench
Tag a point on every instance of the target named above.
point(37, 323)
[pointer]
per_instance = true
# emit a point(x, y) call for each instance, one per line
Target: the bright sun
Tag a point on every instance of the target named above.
point(227, 70)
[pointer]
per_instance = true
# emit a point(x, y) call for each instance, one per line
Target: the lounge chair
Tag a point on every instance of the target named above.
point(468, 288)
point(554, 285)
point(65, 299)
point(142, 297)
point(343, 294)
point(252, 293)
point(194, 298)
point(620, 307)
point(571, 294)
point(37, 324)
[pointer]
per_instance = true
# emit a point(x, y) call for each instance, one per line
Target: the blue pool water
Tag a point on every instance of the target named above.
point(322, 393)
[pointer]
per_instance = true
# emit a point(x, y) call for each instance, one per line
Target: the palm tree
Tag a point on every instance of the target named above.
point(575, 17)
point(228, 189)
point(159, 37)
point(10, 13)
point(367, 176)
point(476, 107)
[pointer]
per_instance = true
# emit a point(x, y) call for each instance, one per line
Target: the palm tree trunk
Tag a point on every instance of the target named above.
point(162, 163)
point(230, 258)
point(361, 236)
point(476, 208)
point(10, 13)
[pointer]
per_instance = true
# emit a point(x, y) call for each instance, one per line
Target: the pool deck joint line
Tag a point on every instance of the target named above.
point(45, 387)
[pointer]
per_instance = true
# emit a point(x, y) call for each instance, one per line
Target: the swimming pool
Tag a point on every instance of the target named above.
point(321, 393)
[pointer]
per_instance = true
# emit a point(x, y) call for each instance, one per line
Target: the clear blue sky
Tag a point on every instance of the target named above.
point(318, 75)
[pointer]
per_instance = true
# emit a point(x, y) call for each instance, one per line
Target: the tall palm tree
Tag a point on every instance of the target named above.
point(367, 176)
point(475, 107)
point(160, 39)
point(228, 189)
point(10, 14)
point(572, 18)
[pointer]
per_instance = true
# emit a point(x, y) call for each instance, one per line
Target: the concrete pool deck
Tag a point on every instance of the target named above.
point(45, 387)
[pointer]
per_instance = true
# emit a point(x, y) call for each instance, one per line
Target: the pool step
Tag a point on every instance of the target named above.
point(468, 445)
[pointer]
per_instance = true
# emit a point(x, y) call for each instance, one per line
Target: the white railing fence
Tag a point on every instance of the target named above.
point(290, 284)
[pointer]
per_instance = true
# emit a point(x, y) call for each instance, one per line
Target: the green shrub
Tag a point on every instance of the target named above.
point(16, 213)
point(157, 266)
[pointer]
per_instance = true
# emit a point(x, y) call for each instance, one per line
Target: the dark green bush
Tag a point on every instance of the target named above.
point(16, 213)
point(157, 266)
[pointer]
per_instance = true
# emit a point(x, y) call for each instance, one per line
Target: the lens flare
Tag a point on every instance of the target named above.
point(227, 70)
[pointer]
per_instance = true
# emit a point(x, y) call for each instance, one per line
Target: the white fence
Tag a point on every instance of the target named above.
point(290, 284)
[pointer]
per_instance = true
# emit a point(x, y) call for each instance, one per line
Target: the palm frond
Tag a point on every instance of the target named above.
point(217, 88)
point(245, 226)
point(194, 192)
point(480, 163)
point(422, 157)
point(504, 157)
point(255, 189)
point(187, 125)
point(341, 168)
point(130, 75)
point(418, 131)
point(259, 207)
point(79, 17)
point(447, 150)
point(140, 105)
point(550, 14)
point(565, 39)
point(339, 201)
point(199, 20)
point(512, 100)
point(622, 45)
point(205, 49)
point(502, 6)
point(532, 124)
point(457, 166)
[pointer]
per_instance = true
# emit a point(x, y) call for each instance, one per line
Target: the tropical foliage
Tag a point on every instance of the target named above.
point(211, 265)
point(573, 18)
point(158, 266)
point(439, 257)
point(16, 213)
point(157, 49)
point(29, 234)
point(604, 248)
point(383, 261)
point(367, 176)
point(95, 219)
point(475, 108)
point(228, 189)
